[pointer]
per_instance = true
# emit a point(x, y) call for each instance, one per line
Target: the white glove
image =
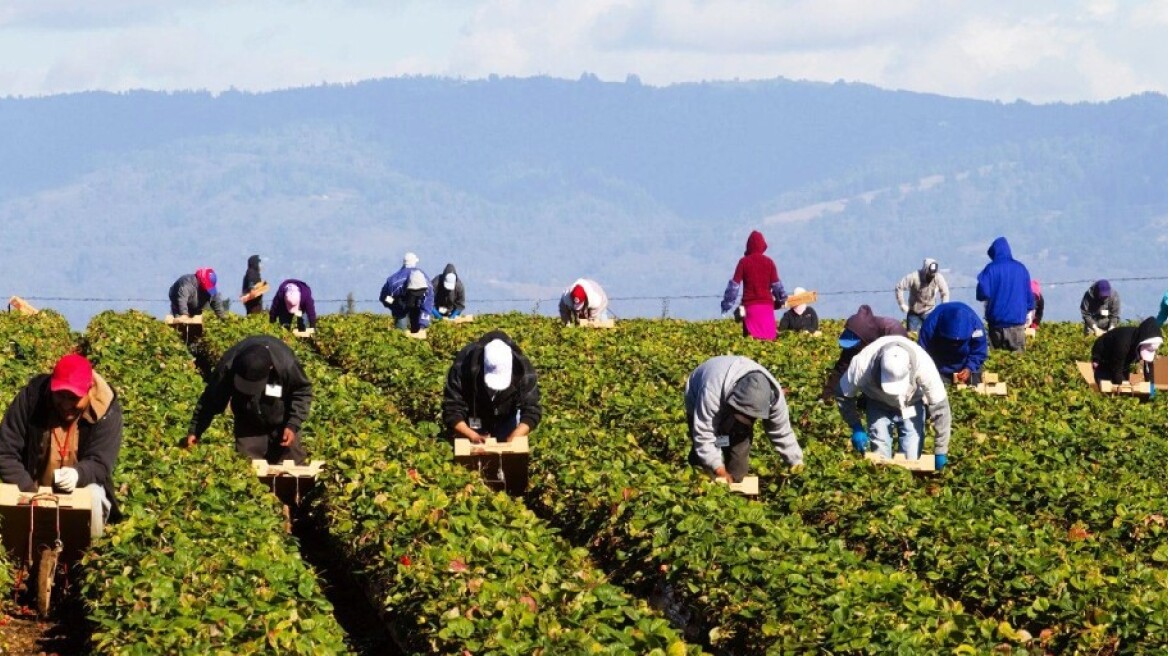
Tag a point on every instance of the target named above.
point(389, 300)
point(904, 308)
point(65, 478)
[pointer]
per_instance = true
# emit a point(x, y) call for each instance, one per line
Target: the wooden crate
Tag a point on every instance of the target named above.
point(43, 508)
point(18, 304)
point(747, 487)
point(806, 298)
point(421, 334)
point(462, 318)
point(172, 320)
point(308, 332)
point(289, 481)
point(502, 464)
point(990, 385)
point(256, 292)
point(597, 323)
point(1136, 385)
point(923, 465)
point(1031, 333)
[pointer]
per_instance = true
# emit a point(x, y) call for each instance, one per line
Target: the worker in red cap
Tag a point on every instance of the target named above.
point(584, 299)
point(193, 291)
point(64, 430)
point(270, 396)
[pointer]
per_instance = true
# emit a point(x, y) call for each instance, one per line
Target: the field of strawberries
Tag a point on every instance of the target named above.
point(1046, 534)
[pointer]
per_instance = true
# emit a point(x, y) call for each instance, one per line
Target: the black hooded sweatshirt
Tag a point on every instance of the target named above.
point(1114, 352)
point(466, 395)
point(250, 280)
point(444, 298)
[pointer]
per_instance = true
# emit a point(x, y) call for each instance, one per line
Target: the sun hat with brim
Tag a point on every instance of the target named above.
point(250, 370)
point(73, 374)
point(895, 371)
point(497, 359)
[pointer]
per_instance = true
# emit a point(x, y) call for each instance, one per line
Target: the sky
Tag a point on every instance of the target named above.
point(1035, 50)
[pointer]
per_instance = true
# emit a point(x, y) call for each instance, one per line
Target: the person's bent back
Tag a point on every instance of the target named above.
point(492, 390)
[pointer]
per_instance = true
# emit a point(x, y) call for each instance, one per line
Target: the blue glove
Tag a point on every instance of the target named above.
point(860, 440)
point(435, 313)
point(456, 313)
point(940, 460)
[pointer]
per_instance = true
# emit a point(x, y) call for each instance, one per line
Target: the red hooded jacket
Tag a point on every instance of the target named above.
point(756, 272)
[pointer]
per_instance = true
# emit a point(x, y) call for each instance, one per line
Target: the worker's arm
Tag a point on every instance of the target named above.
point(778, 428)
point(13, 430)
point(901, 288)
point(213, 401)
point(943, 287)
point(978, 350)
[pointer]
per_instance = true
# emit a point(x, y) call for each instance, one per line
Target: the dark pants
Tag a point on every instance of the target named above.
point(1009, 338)
point(267, 447)
point(255, 306)
point(735, 457)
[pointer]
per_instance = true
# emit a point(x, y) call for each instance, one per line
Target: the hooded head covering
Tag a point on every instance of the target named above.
point(253, 262)
point(1035, 288)
point(1148, 348)
point(207, 280)
point(802, 307)
point(752, 395)
point(250, 370)
point(497, 361)
point(1102, 289)
point(449, 282)
point(755, 243)
point(1000, 250)
point(579, 297)
point(410, 261)
point(929, 269)
point(292, 297)
point(417, 280)
point(895, 370)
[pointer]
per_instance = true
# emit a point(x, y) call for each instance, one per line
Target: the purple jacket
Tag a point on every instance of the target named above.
point(279, 310)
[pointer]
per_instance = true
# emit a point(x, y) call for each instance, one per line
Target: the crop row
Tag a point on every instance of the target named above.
point(747, 579)
point(452, 564)
point(201, 563)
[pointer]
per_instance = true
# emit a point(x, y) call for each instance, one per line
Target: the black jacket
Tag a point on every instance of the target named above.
point(466, 395)
point(26, 429)
point(250, 280)
point(1115, 351)
point(445, 298)
point(807, 322)
point(256, 415)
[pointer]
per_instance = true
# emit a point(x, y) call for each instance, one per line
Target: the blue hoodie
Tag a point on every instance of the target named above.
point(1163, 316)
point(954, 336)
point(1004, 286)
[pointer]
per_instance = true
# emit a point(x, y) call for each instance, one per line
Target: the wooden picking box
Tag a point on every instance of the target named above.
point(307, 332)
point(18, 304)
point(598, 323)
point(990, 386)
point(923, 465)
point(1136, 384)
point(806, 298)
point(747, 487)
point(17, 508)
point(256, 292)
point(288, 480)
point(190, 328)
point(462, 318)
point(503, 464)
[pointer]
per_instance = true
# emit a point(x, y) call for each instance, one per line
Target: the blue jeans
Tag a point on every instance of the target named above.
point(913, 322)
point(883, 419)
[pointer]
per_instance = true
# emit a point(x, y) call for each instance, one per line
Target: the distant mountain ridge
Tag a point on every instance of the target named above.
point(526, 184)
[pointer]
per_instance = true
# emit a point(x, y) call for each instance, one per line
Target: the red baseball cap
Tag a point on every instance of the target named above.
point(72, 373)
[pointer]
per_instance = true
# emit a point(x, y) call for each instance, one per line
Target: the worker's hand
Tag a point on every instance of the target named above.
point(723, 475)
point(65, 479)
point(904, 309)
point(1098, 331)
point(288, 438)
point(940, 460)
point(388, 300)
point(190, 441)
point(860, 441)
point(476, 438)
point(962, 376)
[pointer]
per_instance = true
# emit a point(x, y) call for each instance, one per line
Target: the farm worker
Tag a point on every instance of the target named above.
point(491, 391)
point(756, 279)
point(954, 336)
point(584, 299)
point(193, 291)
point(408, 296)
point(724, 396)
point(923, 286)
point(1004, 286)
point(1163, 315)
point(1035, 316)
point(860, 330)
point(899, 380)
point(1100, 308)
point(252, 279)
point(64, 430)
point(449, 294)
point(292, 306)
point(1113, 353)
point(269, 395)
point(800, 318)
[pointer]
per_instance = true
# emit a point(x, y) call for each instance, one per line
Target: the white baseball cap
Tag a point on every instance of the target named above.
point(417, 280)
point(497, 357)
point(894, 371)
point(410, 260)
point(449, 281)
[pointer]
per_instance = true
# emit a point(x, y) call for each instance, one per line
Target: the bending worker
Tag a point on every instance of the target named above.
point(449, 294)
point(1113, 354)
point(292, 306)
point(898, 380)
point(270, 397)
point(408, 296)
point(584, 299)
point(491, 391)
point(724, 397)
point(193, 292)
point(65, 430)
point(923, 287)
point(955, 338)
point(860, 330)
point(1099, 308)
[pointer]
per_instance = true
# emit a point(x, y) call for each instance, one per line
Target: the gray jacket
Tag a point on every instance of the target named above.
point(863, 377)
point(706, 409)
point(187, 298)
point(922, 298)
point(1092, 308)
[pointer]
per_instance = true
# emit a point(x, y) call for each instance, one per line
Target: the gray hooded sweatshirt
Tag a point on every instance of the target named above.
point(922, 295)
point(706, 409)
